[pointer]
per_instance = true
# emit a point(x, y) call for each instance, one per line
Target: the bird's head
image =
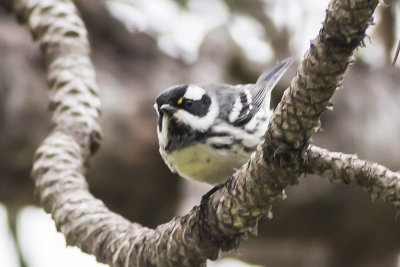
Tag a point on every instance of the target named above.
point(187, 105)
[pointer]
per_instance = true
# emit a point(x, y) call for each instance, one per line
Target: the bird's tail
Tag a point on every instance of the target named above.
point(271, 77)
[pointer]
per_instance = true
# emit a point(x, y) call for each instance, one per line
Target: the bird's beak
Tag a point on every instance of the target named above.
point(168, 109)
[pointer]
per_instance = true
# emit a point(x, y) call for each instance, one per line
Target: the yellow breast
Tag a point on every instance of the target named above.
point(206, 164)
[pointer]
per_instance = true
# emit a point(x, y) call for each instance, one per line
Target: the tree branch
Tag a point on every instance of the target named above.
point(226, 215)
point(342, 168)
point(235, 209)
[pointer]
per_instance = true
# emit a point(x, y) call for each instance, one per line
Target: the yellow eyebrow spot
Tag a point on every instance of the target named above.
point(180, 101)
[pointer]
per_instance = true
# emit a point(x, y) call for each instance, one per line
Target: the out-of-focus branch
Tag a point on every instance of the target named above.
point(386, 30)
point(342, 168)
point(12, 224)
point(396, 53)
point(226, 215)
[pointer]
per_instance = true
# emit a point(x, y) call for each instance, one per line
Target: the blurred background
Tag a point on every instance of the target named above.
point(141, 47)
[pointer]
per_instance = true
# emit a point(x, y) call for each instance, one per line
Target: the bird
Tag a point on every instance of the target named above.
point(207, 131)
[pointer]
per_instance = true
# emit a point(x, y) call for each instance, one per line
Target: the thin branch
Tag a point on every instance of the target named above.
point(12, 214)
point(226, 215)
point(342, 168)
point(396, 53)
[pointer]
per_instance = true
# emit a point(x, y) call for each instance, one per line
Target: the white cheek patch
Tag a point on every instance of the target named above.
point(199, 123)
point(194, 92)
point(163, 135)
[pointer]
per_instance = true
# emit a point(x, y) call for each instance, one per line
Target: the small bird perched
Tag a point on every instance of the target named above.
point(205, 131)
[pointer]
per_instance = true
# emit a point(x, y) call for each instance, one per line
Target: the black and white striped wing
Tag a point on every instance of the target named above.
point(252, 97)
point(247, 103)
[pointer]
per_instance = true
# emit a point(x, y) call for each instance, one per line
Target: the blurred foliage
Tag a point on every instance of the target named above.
point(182, 3)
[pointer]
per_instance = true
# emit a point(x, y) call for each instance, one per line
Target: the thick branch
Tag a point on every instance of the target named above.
point(296, 118)
point(234, 209)
point(378, 180)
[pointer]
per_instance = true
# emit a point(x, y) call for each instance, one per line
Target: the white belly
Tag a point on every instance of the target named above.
point(206, 164)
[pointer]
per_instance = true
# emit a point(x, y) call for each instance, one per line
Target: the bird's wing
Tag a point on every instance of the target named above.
point(250, 98)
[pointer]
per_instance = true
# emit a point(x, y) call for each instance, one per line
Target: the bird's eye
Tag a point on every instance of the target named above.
point(189, 103)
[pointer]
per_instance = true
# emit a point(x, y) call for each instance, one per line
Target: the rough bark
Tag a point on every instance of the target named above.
point(226, 214)
point(337, 167)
